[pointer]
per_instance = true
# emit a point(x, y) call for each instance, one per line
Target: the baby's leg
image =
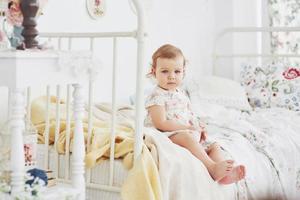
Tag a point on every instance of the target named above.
point(215, 152)
point(237, 173)
point(217, 170)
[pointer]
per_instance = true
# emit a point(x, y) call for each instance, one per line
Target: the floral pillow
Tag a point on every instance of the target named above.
point(285, 88)
point(274, 85)
point(255, 81)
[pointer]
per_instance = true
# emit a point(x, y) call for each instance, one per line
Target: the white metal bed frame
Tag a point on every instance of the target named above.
point(216, 55)
point(76, 179)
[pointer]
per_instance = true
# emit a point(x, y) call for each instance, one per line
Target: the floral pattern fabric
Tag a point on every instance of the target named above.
point(276, 84)
point(176, 103)
point(267, 142)
point(284, 13)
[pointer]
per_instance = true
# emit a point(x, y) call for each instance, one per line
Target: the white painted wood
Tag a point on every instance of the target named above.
point(8, 104)
point(59, 43)
point(70, 43)
point(17, 65)
point(68, 131)
point(16, 127)
point(28, 110)
point(16, 68)
point(90, 125)
point(78, 149)
point(90, 115)
point(92, 44)
point(57, 128)
point(46, 131)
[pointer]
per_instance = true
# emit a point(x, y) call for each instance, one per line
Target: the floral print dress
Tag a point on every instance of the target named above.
point(177, 106)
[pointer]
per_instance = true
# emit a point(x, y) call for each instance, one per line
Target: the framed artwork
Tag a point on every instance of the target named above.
point(96, 8)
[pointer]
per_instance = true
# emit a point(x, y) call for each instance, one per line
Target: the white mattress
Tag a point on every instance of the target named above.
point(99, 174)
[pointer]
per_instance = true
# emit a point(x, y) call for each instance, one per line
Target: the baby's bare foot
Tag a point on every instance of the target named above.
point(235, 175)
point(221, 169)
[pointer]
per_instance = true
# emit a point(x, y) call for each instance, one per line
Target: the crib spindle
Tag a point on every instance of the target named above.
point(90, 125)
point(47, 129)
point(68, 130)
point(70, 43)
point(8, 104)
point(16, 126)
point(59, 43)
point(92, 44)
point(57, 128)
point(78, 149)
point(28, 109)
point(90, 114)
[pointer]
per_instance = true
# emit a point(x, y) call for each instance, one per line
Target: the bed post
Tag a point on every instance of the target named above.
point(140, 76)
point(16, 127)
point(78, 149)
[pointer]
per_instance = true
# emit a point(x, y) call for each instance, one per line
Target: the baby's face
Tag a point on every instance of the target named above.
point(169, 72)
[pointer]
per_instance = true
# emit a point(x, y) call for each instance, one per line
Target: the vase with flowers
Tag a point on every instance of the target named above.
point(21, 15)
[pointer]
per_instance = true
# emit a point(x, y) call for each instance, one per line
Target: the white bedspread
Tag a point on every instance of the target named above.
point(183, 176)
point(267, 142)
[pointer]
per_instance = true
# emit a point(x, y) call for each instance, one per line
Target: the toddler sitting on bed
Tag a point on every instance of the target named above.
point(169, 111)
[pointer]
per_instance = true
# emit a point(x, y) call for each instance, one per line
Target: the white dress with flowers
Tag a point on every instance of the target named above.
point(177, 107)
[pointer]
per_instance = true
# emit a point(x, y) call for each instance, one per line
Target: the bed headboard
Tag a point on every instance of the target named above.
point(261, 51)
point(266, 65)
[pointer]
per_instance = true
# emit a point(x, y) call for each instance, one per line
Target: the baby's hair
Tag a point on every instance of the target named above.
point(166, 51)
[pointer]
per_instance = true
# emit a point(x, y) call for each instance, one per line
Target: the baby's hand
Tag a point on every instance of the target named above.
point(203, 136)
point(201, 130)
point(203, 133)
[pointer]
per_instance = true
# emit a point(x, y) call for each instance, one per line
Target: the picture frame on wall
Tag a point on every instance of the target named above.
point(95, 8)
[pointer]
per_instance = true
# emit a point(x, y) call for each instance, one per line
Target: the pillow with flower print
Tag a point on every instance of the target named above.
point(276, 84)
point(285, 87)
point(255, 81)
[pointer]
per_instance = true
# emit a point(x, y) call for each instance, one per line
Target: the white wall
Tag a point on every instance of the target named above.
point(187, 24)
point(71, 15)
point(246, 13)
point(236, 13)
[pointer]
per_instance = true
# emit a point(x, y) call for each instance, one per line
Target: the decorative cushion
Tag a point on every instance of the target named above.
point(218, 90)
point(255, 81)
point(276, 84)
point(285, 88)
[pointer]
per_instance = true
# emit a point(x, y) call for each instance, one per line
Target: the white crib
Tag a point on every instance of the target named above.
point(15, 69)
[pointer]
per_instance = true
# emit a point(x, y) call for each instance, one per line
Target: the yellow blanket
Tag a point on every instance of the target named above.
point(143, 179)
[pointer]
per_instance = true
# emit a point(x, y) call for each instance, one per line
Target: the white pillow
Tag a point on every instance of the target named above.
point(218, 90)
point(207, 110)
point(212, 112)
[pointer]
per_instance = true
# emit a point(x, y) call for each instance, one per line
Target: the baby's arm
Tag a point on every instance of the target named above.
point(159, 120)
